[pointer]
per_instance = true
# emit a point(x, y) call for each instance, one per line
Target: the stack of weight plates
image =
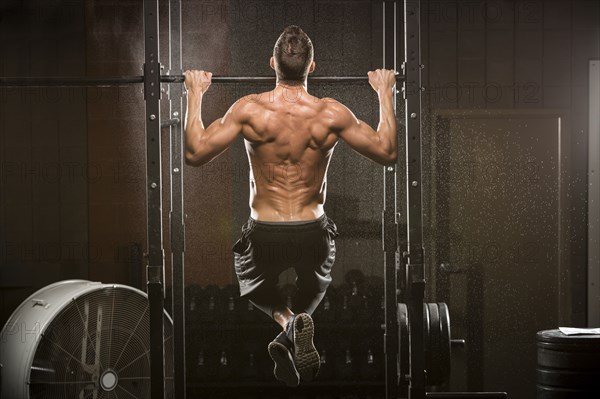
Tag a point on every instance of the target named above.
point(568, 366)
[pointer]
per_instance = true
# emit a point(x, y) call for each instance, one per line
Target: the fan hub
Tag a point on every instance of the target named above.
point(109, 380)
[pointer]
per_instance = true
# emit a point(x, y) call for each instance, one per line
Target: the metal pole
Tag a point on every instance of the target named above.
point(390, 226)
point(176, 215)
point(54, 81)
point(155, 267)
point(415, 272)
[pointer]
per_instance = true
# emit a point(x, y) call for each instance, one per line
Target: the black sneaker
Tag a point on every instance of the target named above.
point(300, 331)
point(285, 370)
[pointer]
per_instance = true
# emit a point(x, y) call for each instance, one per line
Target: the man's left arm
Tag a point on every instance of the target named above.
point(202, 144)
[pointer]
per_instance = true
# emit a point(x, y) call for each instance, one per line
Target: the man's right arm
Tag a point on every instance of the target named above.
point(380, 146)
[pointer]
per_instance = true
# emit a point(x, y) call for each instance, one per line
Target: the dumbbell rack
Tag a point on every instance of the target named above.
point(219, 360)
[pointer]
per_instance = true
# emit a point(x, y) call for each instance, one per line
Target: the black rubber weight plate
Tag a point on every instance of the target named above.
point(445, 341)
point(426, 337)
point(434, 375)
point(403, 344)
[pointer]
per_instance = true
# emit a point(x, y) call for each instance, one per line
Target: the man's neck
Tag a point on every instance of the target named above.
point(288, 86)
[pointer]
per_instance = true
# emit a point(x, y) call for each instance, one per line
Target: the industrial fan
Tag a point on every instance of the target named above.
point(79, 339)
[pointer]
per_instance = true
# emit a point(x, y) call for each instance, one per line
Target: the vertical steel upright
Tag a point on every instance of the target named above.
point(156, 264)
point(390, 225)
point(176, 215)
point(415, 271)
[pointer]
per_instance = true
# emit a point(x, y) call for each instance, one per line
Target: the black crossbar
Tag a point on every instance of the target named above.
point(130, 80)
point(271, 79)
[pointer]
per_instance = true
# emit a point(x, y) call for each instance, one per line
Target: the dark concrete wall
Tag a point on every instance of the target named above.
point(520, 69)
point(523, 55)
point(116, 141)
point(43, 150)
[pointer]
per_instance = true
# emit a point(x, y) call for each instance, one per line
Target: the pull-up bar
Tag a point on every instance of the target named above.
point(130, 80)
point(271, 79)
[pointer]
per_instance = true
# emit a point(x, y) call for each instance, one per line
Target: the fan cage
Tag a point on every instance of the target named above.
point(96, 346)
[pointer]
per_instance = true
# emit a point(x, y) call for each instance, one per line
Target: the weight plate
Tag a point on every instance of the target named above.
point(403, 346)
point(426, 337)
point(434, 376)
point(445, 341)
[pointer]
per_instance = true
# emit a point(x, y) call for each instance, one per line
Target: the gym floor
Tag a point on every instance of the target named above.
point(506, 116)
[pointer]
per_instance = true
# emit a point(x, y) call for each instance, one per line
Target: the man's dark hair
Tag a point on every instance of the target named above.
point(293, 54)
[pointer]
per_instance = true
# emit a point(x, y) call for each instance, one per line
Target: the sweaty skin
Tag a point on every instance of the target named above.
point(289, 136)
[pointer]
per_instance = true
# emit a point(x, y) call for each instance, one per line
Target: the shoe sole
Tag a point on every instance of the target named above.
point(284, 370)
point(306, 357)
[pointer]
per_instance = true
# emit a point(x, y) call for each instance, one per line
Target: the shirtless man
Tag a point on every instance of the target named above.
point(289, 136)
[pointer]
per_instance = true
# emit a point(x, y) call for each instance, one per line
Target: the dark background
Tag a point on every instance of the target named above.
point(505, 155)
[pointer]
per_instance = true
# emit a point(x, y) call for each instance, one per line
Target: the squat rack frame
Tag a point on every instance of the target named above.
point(415, 282)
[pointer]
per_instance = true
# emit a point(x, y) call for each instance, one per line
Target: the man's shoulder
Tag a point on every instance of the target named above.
point(335, 107)
point(329, 100)
point(246, 105)
point(249, 99)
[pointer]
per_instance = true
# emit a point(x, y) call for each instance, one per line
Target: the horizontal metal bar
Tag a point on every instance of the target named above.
point(271, 79)
point(169, 122)
point(129, 80)
point(70, 82)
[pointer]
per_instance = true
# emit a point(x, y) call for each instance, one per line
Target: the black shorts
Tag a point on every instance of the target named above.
point(266, 249)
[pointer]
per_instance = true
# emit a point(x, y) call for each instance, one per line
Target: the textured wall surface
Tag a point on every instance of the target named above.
point(43, 151)
point(505, 154)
